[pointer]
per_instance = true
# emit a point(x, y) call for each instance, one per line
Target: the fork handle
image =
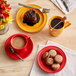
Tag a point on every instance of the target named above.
point(27, 6)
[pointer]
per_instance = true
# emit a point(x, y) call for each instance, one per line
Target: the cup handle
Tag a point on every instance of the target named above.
point(28, 37)
point(67, 23)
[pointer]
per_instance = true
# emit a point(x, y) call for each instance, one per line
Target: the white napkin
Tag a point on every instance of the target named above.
point(68, 70)
point(70, 3)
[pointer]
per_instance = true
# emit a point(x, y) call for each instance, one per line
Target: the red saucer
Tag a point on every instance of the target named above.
point(47, 68)
point(24, 53)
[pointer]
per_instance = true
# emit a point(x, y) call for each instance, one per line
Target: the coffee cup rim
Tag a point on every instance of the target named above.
point(54, 18)
point(19, 35)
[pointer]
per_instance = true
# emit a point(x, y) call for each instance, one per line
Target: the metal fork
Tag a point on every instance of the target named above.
point(43, 10)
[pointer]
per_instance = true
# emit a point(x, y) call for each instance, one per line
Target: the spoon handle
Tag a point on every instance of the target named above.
point(64, 18)
point(19, 57)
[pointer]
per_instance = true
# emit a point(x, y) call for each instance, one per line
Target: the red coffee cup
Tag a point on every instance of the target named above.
point(20, 49)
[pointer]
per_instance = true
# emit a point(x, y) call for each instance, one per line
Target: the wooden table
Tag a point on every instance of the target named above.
point(10, 67)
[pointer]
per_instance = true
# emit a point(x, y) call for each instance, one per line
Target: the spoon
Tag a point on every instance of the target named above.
point(13, 52)
point(64, 18)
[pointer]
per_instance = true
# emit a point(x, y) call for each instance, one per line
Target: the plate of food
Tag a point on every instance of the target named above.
point(51, 59)
point(31, 20)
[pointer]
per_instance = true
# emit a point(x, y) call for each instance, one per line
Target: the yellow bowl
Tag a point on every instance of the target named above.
point(38, 26)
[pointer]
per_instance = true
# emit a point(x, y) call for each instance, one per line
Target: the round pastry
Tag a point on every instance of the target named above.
point(58, 58)
point(55, 66)
point(49, 61)
point(45, 55)
point(30, 16)
point(52, 53)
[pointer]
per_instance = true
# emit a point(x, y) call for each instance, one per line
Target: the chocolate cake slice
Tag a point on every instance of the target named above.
point(30, 16)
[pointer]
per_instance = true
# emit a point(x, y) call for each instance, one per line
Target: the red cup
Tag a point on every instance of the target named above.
point(21, 49)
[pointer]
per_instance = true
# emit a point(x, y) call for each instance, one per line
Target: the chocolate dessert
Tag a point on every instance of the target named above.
point(31, 17)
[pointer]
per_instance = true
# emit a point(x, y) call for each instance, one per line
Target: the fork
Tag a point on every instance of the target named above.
point(43, 10)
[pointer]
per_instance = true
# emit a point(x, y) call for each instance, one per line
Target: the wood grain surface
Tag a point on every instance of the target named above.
point(10, 67)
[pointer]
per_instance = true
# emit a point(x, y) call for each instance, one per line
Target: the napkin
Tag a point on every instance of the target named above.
point(68, 70)
point(70, 3)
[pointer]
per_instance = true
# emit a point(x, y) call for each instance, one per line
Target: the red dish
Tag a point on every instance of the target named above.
point(24, 53)
point(45, 67)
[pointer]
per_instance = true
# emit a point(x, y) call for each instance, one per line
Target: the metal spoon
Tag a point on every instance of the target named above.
point(13, 52)
point(64, 18)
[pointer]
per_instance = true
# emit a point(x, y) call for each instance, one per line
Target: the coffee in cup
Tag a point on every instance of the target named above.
point(56, 21)
point(18, 42)
point(57, 24)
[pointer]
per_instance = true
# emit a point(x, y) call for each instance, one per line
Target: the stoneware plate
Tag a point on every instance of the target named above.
point(45, 67)
point(35, 28)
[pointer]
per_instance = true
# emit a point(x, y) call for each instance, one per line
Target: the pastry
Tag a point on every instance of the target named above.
point(55, 66)
point(45, 55)
point(52, 53)
point(30, 16)
point(52, 59)
point(58, 58)
point(49, 61)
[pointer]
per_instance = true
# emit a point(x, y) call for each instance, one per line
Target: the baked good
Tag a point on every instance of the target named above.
point(58, 58)
point(45, 55)
point(55, 66)
point(52, 53)
point(30, 16)
point(49, 61)
point(52, 59)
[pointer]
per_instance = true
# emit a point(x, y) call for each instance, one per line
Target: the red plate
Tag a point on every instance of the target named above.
point(24, 53)
point(47, 68)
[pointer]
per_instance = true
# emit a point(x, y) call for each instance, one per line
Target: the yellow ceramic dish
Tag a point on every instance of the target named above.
point(38, 26)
